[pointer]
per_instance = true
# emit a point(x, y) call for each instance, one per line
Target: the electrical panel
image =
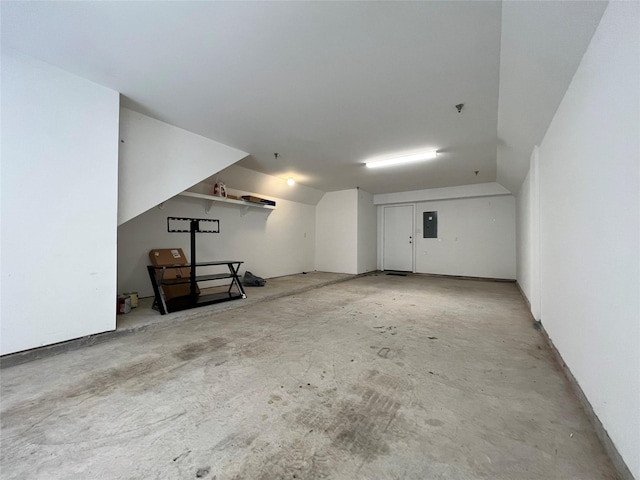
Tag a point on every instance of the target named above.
point(430, 225)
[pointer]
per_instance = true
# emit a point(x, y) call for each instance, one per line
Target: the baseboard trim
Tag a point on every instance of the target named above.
point(618, 462)
point(462, 277)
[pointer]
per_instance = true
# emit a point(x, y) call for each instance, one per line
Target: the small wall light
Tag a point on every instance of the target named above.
point(291, 182)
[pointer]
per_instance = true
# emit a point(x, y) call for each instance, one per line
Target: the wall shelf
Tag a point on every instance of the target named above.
point(241, 203)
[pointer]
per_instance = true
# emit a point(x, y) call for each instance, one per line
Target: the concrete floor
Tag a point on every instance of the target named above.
point(379, 377)
point(145, 316)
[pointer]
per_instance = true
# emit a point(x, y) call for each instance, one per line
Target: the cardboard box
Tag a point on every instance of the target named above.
point(163, 257)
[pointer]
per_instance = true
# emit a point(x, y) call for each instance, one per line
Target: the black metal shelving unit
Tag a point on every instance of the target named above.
point(194, 299)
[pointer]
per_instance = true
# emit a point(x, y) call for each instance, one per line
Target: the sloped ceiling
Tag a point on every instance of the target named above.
point(542, 46)
point(328, 85)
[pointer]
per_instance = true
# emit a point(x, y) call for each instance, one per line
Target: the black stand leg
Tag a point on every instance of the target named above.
point(236, 280)
point(157, 291)
point(195, 226)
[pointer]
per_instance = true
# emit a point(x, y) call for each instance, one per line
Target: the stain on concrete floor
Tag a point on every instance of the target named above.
point(379, 377)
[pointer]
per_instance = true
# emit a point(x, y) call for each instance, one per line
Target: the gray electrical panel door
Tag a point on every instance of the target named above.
point(430, 225)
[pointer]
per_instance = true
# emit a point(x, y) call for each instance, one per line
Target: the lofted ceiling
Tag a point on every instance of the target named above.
point(328, 85)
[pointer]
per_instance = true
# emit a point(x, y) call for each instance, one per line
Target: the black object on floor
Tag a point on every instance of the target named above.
point(398, 274)
point(251, 280)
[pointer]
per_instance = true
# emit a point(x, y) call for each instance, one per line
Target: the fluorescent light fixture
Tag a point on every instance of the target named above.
point(291, 182)
point(418, 157)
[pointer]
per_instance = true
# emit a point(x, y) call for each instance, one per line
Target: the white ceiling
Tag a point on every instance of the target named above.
point(542, 46)
point(328, 85)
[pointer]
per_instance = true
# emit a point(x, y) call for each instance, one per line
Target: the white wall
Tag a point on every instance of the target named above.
point(476, 238)
point(272, 243)
point(252, 181)
point(59, 205)
point(476, 230)
point(528, 236)
point(158, 160)
point(461, 191)
point(523, 235)
point(589, 227)
point(337, 232)
point(367, 233)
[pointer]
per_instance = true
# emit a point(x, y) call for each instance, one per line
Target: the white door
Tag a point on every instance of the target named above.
point(398, 238)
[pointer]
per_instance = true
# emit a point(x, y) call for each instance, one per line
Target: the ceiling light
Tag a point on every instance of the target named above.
point(291, 182)
point(418, 157)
